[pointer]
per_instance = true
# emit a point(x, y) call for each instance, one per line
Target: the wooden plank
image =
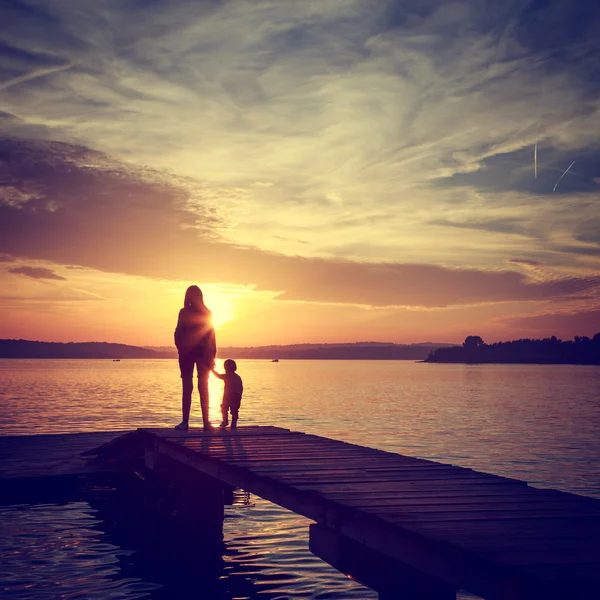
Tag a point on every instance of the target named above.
point(241, 433)
point(244, 429)
point(374, 481)
point(379, 463)
point(570, 573)
point(545, 557)
point(489, 516)
point(265, 442)
point(492, 532)
point(279, 457)
point(411, 495)
point(317, 464)
point(348, 476)
point(363, 483)
point(540, 551)
point(341, 468)
point(431, 486)
point(282, 441)
point(373, 463)
point(460, 514)
point(302, 473)
point(325, 487)
point(467, 503)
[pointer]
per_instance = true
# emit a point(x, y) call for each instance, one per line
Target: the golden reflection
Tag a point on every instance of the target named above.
point(215, 392)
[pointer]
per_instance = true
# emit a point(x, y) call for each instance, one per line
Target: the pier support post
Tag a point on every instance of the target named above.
point(199, 499)
point(389, 578)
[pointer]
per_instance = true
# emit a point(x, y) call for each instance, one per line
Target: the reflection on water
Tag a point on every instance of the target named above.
point(537, 423)
point(105, 545)
point(56, 551)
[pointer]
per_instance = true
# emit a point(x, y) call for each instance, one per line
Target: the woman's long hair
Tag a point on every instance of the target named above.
point(195, 300)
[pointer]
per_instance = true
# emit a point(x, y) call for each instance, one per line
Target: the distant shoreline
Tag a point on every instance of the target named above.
point(104, 350)
point(549, 351)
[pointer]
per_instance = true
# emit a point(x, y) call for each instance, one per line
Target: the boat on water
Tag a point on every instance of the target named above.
point(275, 360)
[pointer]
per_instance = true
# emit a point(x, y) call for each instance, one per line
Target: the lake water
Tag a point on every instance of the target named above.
point(538, 423)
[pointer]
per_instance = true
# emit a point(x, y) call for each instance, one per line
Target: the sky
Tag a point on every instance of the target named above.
point(325, 170)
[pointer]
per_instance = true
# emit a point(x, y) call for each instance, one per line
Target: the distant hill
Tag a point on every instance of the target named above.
point(31, 349)
point(579, 351)
point(357, 351)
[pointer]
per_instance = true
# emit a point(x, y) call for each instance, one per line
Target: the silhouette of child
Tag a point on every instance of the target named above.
point(232, 394)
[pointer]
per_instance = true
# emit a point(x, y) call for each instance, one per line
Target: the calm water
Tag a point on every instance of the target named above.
point(537, 423)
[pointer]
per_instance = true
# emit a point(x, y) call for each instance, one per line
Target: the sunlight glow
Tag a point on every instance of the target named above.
point(221, 306)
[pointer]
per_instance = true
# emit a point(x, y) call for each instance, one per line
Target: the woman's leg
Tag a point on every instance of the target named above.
point(187, 387)
point(203, 373)
point(186, 367)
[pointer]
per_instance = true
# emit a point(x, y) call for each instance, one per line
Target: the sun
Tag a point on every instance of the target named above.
point(221, 306)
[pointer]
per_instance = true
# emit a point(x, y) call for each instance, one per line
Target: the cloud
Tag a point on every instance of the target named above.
point(562, 324)
point(92, 211)
point(407, 111)
point(506, 225)
point(522, 261)
point(589, 231)
point(37, 273)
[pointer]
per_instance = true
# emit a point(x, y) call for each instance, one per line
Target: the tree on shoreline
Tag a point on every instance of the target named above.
point(581, 350)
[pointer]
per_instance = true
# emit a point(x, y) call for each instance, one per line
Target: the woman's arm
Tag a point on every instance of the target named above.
point(177, 335)
point(211, 341)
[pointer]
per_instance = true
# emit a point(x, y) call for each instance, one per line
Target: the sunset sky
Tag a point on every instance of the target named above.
point(325, 170)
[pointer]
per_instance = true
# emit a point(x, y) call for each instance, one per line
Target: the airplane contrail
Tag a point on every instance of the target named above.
point(535, 160)
point(566, 171)
point(34, 75)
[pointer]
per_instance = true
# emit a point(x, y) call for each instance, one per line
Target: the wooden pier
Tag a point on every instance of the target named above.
point(409, 528)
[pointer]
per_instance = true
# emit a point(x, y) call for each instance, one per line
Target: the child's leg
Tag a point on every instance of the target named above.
point(235, 404)
point(235, 410)
point(224, 413)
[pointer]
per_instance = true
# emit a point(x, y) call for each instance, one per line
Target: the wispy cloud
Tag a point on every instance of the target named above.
point(37, 273)
point(562, 324)
point(34, 74)
point(380, 106)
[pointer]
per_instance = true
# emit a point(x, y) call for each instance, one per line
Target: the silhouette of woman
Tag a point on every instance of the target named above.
point(196, 344)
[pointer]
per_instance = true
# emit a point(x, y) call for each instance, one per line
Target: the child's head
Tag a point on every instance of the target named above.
point(230, 366)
